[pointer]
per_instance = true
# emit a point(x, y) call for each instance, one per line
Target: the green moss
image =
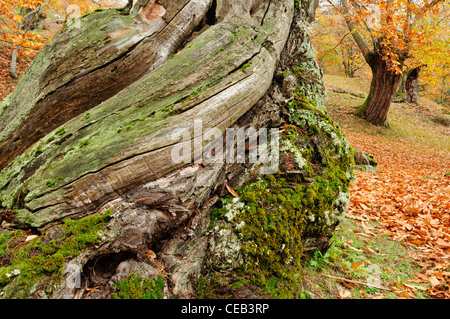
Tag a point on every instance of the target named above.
point(203, 88)
point(246, 66)
point(51, 139)
point(249, 197)
point(50, 183)
point(61, 131)
point(136, 287)
point(84, 143)
point(44, 257)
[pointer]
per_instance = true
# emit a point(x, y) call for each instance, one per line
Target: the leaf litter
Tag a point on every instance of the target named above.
point(410, 201)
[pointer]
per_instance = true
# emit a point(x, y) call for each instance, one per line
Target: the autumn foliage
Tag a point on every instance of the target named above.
point(14, 33)
point(394, 27)
point(11, 31)
point(410, 200)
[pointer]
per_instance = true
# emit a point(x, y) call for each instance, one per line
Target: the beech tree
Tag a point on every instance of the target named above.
point(386, 32)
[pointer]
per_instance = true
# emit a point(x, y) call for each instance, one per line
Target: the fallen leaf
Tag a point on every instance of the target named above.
point(356, 265)
point(405, 295)
point(368, 249)
point(414, 287)
point(151, 254)
point(433, 281)
point(344, 294)
point(441, 243)
point(232, 191)
point(30, 238)
point(5, 224)
point(364, 207)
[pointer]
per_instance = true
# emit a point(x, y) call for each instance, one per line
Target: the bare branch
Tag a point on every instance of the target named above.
point(362, 45)
point(334, 48)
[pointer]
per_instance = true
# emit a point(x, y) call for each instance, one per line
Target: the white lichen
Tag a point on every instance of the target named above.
point(233, 209)
point(340, 206)
point(240, 225)
point(15, 272)
point(298, 155)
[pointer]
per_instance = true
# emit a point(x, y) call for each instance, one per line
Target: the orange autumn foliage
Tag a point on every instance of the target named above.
point(13, 34)
point(393, 27)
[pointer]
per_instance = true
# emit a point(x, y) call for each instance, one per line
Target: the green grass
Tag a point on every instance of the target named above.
point(414, 125)
point(377, 261)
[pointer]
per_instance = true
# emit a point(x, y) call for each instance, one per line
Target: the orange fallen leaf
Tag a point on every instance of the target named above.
point(356, 265)
point(364, 207)
point(441, 243)
point(151, 254)
point(405, 295)
point(368, 249)
point(232, 191)
point(414, 287)
point(433, 281)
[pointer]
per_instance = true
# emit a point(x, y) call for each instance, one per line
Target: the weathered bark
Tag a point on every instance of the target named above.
point(383, 87)
point(249, 64)
point(13, 70)
point(91, 64)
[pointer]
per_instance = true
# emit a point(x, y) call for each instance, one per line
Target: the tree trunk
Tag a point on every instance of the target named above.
point(383, 87)
point(99, 127)
point(32, 18)
point(412, 85)
point(444, 89)
point(13, 70)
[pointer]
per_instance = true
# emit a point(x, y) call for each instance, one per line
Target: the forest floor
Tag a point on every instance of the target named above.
point(395, 240)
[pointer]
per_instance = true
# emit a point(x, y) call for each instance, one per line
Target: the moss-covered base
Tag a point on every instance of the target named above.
point(136, 287)
point(279, 218)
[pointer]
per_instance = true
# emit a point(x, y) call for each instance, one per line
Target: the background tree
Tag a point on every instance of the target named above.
point(433, 56)
point(386, 32)
point(17, 20)
point(336, 51)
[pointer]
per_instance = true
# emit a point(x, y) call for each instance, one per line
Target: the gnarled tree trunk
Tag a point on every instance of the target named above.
point(383, 87)
point(94, 125)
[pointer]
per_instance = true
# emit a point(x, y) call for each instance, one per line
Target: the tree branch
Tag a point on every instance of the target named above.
point(334, 48)
point(362, 45)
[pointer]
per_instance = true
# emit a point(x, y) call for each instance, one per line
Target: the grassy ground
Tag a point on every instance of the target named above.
point(395, 240)
point(370, 267)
